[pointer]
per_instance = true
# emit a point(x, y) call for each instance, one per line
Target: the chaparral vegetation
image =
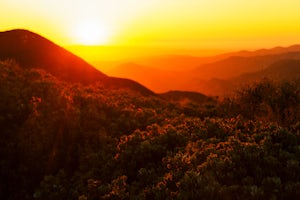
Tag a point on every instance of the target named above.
point(61, 140)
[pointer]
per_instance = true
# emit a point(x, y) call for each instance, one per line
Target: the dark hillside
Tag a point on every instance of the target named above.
point(31, 50)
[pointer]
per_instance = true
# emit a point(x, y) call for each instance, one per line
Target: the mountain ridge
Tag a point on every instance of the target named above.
point(238, 65)
point(282, 70)
point(213, 76)
point(31, 50)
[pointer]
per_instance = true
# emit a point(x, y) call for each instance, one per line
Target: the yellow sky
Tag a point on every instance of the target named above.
point(228, 24)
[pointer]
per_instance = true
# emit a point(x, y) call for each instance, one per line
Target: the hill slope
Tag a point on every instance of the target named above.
point(31, 50)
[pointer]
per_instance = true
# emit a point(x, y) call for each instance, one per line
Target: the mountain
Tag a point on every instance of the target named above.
point(287, 69)
point(207, 75)
point(175, 62)
point(178, 62)
point(216, 78)
point(238, 65)
point(156, 79)
point(31, 50)
point(282, 70)
point(263, 52)
point(183, 62)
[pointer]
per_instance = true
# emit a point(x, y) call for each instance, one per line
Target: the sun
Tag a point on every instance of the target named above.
point(91, 33)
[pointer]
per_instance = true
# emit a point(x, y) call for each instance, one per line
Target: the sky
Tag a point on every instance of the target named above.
point(231, 24)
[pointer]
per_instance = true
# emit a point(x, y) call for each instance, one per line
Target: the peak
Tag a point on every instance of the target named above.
point(22, 35)
point(31, 50)
point(19, 32)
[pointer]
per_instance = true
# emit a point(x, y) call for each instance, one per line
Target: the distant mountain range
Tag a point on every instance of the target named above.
point(173, 62)
point(238, 65)
point(263, 52)
point(31, 50)
point(217, 75)
point(286, 69)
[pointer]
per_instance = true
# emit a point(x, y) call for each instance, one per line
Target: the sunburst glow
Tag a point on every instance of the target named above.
point(90, 33)
point(189, 24)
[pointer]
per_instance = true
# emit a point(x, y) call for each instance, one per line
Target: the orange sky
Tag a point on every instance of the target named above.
point(203, 24)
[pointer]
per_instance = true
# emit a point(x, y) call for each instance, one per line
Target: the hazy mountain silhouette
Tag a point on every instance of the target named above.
point(263, 52)
point(175, 62)
point(238, 65)
point(208, 75)
point(156, 79)
point(282, 70)
point(288, 69)
point(31, 50)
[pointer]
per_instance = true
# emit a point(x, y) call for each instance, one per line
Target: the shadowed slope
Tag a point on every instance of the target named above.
point(31, 50)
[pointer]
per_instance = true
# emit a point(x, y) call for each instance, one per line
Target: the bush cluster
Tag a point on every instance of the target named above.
point(67, 141)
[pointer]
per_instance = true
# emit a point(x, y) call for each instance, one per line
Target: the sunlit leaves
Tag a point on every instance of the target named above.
point(68, 141)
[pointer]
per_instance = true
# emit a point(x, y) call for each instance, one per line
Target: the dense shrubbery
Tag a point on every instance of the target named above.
point(272, 101)
point(68, 141)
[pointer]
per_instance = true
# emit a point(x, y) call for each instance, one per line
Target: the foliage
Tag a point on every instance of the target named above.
point(270, 100)
point(67, 141)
